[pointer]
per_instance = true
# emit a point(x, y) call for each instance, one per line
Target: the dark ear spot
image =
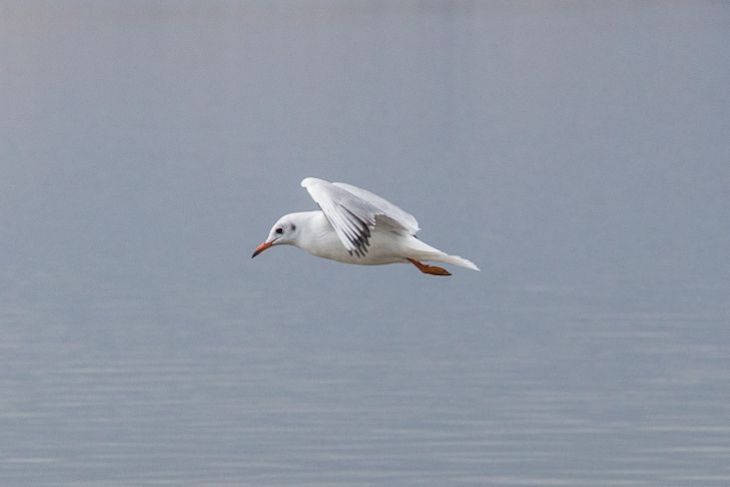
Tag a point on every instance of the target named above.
point(293, 227)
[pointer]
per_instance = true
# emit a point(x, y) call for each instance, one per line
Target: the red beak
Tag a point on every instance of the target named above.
point(261, 248)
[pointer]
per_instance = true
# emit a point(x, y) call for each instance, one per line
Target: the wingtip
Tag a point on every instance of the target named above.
point(308, 181)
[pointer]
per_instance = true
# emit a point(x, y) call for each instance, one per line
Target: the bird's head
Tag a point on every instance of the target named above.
point(284, 232)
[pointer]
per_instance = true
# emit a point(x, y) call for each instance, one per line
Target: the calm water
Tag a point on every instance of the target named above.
point(577, 152)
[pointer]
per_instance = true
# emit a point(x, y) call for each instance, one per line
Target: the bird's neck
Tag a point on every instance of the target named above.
point(315, 231)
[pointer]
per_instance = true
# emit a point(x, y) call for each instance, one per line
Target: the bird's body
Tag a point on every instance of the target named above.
point(355, 226)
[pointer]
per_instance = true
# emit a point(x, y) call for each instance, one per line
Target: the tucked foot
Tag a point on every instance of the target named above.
point(429, 269)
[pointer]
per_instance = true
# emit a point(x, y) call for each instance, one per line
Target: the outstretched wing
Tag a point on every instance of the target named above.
point(396, 216)
point(352, 212)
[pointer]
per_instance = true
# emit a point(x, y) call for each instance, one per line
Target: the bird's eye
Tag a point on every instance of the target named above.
point(279, 230)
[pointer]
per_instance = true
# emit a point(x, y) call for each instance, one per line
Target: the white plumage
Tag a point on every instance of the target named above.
point(356, 226)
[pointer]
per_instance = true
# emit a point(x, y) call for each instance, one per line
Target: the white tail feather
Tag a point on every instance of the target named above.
point(422, 251)
point(455, 260)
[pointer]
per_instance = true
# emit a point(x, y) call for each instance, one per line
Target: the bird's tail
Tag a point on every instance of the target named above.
point(455, 260)
point(423, 251)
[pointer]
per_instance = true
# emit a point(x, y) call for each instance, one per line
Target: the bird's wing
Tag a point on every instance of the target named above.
point(400, 217)
point(352, 212)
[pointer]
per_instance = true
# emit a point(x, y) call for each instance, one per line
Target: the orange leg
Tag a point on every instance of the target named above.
point(429, 269)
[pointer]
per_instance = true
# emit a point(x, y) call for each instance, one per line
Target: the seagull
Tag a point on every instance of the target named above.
point(356, 226)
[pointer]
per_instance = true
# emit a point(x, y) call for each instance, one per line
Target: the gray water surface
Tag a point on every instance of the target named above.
point(578, 152)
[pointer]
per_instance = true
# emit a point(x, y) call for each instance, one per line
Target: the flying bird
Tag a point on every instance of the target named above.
point(356, 226)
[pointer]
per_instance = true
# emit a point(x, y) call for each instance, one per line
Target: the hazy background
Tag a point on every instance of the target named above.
point(578, 152)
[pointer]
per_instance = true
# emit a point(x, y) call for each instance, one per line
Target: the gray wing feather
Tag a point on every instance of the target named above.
point(401, 217)
point(352, 212)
